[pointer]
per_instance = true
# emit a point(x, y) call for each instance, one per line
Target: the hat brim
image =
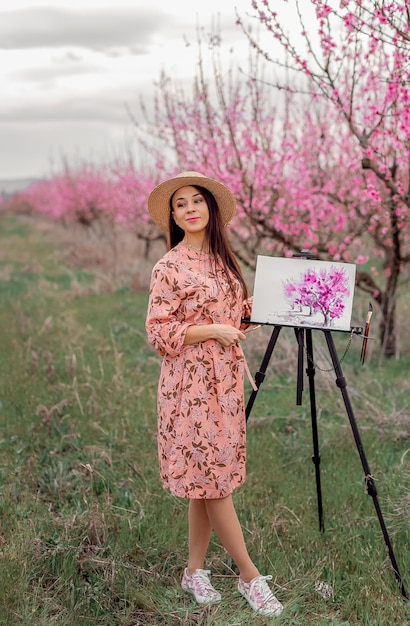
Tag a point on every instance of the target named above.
point(158, 200)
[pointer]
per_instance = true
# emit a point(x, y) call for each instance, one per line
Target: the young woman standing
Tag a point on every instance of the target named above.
point(197, 299)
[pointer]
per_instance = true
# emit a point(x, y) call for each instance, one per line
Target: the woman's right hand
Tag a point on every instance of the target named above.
point(228, 335)
point(225, 334)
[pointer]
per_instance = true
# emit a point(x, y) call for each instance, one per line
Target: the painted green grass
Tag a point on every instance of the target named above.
point(88, 536)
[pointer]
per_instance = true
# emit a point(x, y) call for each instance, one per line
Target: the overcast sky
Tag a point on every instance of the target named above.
point(69, 68)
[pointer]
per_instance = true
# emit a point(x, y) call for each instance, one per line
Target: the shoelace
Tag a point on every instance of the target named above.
point(201, 578)
point(262, 589)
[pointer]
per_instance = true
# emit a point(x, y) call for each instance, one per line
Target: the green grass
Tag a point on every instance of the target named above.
point(88, 536)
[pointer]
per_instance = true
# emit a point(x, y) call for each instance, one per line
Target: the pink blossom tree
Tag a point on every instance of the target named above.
point(318, 159)
point(356, 61)
point(83, 194)
point(131, 187)
point(95, 196)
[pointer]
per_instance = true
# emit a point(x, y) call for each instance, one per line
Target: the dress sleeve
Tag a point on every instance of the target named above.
point(165, 324)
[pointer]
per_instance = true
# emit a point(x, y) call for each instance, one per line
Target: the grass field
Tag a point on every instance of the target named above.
point(87, 534)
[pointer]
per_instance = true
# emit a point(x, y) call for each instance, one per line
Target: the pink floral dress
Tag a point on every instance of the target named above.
point(201, 417)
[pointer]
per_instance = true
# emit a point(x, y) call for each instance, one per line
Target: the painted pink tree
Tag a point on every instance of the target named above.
point(324, 291)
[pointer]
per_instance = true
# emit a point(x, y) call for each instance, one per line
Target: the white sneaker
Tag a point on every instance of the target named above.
point(260, 596)
point(200, 586)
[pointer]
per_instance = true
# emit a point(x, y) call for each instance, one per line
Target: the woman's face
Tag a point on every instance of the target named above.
point(190, 210)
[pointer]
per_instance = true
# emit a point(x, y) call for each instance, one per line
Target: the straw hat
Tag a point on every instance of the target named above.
point(158, 200)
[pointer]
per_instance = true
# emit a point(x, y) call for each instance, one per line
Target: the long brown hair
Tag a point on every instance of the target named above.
point(215, 238)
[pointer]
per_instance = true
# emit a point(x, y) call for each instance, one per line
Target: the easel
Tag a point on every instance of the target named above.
point(303, 334)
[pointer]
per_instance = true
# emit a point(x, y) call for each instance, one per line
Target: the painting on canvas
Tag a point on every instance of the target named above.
point(303, 292)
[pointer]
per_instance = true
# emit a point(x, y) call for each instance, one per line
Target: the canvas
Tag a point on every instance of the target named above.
point(302, 292)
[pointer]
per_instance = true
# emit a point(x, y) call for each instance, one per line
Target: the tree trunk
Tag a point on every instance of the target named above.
point(387, 332)
point(388, 303)
point(394, 261)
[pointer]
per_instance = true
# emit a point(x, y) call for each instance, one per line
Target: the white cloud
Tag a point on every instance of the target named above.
point(55, 70)
point(100, 29)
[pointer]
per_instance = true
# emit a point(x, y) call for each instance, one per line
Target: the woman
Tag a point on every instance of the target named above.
point(197, 299)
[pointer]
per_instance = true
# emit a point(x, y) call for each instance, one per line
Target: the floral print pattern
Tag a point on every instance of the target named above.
point(201, 416)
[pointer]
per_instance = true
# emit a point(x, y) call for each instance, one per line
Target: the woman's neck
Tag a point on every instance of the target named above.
point(199, 245)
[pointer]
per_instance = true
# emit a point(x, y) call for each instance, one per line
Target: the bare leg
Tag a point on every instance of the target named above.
point(224, 520)
point(200, 529)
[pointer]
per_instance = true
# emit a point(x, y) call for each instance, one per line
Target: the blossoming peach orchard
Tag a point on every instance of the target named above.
point(313, 139)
